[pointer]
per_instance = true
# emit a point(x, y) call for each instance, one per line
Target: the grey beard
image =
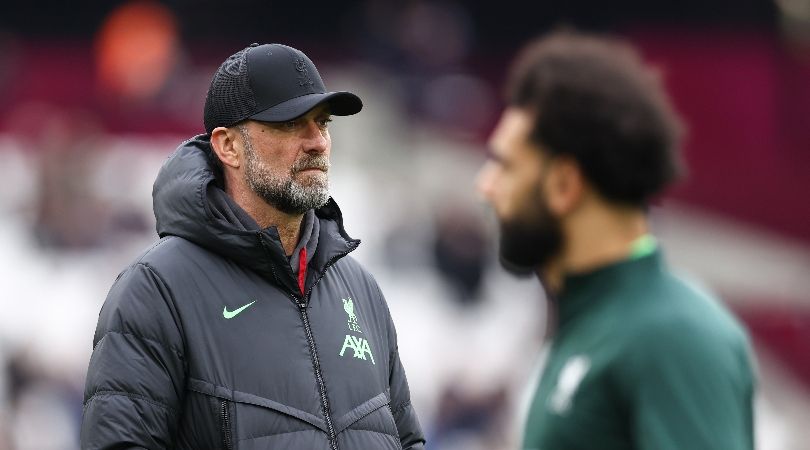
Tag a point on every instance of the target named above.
point(285, 193)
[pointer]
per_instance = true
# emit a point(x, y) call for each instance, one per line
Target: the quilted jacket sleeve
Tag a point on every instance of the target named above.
point(136, 376)
point(410, 432)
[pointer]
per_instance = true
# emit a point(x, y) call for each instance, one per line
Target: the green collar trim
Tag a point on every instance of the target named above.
point(643, 246)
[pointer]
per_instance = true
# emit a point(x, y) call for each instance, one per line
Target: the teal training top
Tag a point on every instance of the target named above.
point(642, 360)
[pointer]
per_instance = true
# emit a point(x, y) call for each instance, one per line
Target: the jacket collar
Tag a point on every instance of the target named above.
point(582, 292)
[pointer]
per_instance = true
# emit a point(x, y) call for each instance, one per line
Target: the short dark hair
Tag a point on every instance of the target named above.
point(596, 101)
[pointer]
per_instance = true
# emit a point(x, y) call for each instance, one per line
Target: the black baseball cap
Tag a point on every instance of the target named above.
point(270, 83)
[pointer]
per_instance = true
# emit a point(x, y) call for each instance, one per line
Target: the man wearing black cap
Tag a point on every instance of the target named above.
point(248, 325)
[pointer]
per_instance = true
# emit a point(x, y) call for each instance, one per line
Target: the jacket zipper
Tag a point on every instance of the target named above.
point(316, 363)
point(319, 377)
point(302, 306)
point(226, 426)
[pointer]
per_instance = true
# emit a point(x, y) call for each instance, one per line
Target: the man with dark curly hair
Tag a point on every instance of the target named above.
point(639, 359)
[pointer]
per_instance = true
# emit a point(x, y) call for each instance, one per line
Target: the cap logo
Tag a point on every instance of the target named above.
point(303, 73)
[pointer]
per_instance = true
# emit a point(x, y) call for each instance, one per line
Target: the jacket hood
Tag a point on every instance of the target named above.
point(189, 202)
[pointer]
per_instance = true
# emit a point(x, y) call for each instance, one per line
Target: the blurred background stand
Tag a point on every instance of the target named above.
point(94, 96)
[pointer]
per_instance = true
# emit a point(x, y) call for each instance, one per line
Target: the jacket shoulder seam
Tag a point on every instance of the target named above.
point(130, 395)
point(154, 272)
point(147, 252)
point(165, 240)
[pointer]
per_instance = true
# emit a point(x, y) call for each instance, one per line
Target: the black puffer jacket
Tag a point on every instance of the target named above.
point(206, 341)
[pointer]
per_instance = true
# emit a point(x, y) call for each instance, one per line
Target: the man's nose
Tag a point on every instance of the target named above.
point(317, 138)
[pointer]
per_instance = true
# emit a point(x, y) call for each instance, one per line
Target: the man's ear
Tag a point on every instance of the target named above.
point(226, 143)
point(564, 185)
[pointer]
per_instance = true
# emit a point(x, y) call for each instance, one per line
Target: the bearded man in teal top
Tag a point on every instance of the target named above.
point(639, 359)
